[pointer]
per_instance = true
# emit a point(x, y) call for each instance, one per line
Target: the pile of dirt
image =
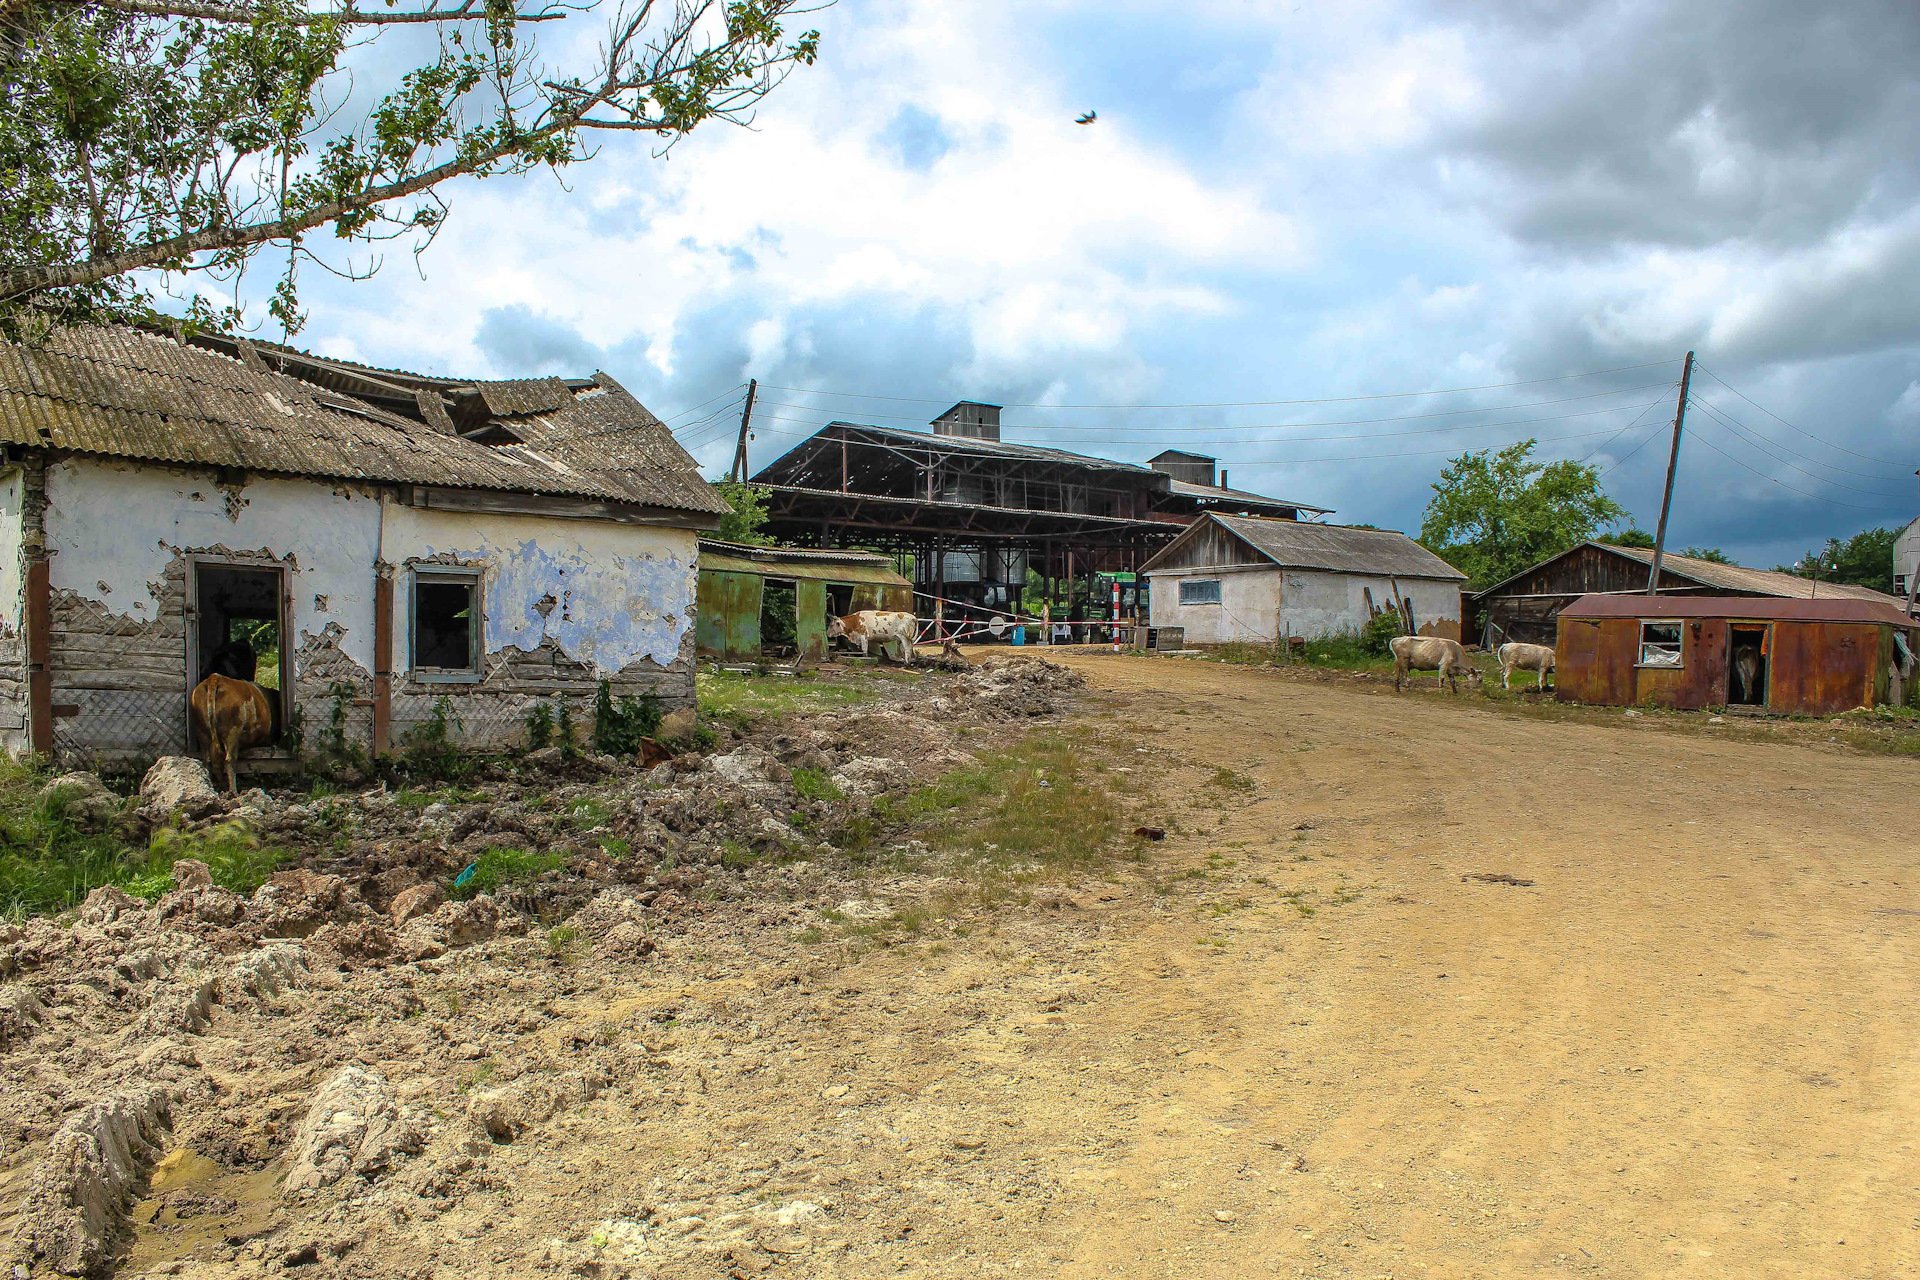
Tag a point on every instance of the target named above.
point(361, 1042)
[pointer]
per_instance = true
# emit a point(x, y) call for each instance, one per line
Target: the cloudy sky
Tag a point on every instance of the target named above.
point(1281, 212)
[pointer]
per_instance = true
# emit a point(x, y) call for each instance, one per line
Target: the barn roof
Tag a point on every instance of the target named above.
point(1821, 608)
point(799, 562)
point(1293, 544)
point(1217, 494)
point(127, 393)
point(1709, 573)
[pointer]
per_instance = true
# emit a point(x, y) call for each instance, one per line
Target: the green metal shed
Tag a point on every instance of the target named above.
point(734, 585)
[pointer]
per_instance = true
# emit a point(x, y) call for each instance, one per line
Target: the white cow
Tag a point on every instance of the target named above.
point(875, 626)
point(1432, 653)
point(1537, 658)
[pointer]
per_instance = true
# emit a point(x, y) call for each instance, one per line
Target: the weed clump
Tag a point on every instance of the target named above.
point(499, 867)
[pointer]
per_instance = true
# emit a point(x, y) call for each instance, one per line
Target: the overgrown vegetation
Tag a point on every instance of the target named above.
point(743, 523)
point(433, 745)
point(733, 698)
point(501, 866)
point(619, 727)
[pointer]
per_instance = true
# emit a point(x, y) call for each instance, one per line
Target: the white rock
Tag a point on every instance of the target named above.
point(352, 1126)
point(178, 783)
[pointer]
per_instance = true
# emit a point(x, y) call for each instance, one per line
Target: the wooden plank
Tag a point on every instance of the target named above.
point(383, 661)
point(39, 655)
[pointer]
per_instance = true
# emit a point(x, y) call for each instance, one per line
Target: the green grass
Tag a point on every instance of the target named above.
point(420, 798)
point(500, 866)
point(47, 864)
point(814, 784)
point(734, 698)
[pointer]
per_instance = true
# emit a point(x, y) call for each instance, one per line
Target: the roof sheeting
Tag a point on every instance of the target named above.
point(1819, 609)
point(1733, 577)
point(125, 393)
point(1381, 553)
point(1214, 493)
point(970, 444)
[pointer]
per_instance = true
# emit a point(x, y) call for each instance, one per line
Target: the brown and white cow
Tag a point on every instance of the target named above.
point(871, 627)
point(1432, 653)
point(1514, 656)
point(230, 716)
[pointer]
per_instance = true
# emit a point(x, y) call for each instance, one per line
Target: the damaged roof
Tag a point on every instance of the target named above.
point(1293, 544)
point(127, 393)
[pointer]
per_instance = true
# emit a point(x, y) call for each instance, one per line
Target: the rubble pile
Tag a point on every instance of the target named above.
point(250, 1030)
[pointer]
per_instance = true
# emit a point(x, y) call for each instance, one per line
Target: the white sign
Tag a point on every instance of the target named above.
point(999, 625)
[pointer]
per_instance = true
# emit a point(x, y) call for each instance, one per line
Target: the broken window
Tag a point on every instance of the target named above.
point(1660, 644)
point(1200, 591)
point(446, 624)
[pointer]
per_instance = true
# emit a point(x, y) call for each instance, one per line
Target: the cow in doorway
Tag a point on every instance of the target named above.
point(1746, 671)
point(871, 627)
point(235, 660)
point(230, 716)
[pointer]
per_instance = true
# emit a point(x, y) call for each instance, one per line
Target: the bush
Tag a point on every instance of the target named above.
point(618, 728)
point(1378, 634)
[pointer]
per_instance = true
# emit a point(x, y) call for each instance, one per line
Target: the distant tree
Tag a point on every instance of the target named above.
point(1712, 555)
point(1494, 514)
point(749, 514)
point(1631, 536)
point(148, 136)
point(1864, 560)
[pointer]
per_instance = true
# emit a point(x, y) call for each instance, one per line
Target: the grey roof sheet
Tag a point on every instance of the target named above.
point(1213, 493)
point(131, 394)
point(1381, 553)
point(967, 444)
point(1733, 577)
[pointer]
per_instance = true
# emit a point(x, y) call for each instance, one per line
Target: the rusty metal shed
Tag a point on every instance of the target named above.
point(733, 594)
point(1804, 657)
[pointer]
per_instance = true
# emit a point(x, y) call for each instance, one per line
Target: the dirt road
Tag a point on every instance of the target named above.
point(1295, 1041)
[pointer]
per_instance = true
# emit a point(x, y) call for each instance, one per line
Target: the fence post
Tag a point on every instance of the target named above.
point(382, 659)
point(39, 658)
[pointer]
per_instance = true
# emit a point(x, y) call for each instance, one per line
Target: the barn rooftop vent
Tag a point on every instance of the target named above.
point(1193, 468)
point(969, 418)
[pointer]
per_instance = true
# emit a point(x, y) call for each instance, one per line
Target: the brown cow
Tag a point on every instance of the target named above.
point(230, 716)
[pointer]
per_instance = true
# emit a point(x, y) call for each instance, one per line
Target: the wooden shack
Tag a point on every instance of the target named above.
point(1801, 657)
point(759, 602)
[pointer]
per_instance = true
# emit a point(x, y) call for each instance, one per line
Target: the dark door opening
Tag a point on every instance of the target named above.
point(1747, 666)
point(239, 629)
point(778, 629)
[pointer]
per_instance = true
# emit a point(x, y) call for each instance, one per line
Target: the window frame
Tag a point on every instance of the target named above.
point(474, 580)
point(1679, 644)
point(1185, 583)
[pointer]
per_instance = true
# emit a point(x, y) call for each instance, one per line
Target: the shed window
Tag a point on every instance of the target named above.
point(446, 625)
point(1660, 644)
point(1200, 591)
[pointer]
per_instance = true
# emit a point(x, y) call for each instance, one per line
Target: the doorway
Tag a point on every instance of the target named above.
point(1747, 654)
point(778, 620)
point(237, 626)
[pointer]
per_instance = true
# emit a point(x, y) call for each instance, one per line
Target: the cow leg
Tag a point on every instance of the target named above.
point(230, 749)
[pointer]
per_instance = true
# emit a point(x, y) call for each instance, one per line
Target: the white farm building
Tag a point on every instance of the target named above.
point(1250, 578)
point(385, 542)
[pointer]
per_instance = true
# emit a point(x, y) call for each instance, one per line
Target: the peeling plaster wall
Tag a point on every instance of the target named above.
point(119, 535)
point(13, 646)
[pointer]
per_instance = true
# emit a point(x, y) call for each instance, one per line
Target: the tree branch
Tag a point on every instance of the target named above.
point(468, 11)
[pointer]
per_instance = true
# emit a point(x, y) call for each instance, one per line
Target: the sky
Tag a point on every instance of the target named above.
point(1283, 220)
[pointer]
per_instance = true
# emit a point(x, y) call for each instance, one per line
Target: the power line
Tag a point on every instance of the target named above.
point(1262, 426)
point(738, 386)
point(1616, 435)
point(1244, 404)
point(1865, 475)
point(1833, 502)
point(1729, 425)
point(1652, 435)
point(1369, 435)
point(1783, 422)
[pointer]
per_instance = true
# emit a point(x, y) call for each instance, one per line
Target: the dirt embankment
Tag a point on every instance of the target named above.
point(1411, 988)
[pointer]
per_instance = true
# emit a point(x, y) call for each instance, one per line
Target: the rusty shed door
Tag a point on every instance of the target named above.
point(810, 619)
point(729, 626)
point(1822, 668)
point(1594, 660)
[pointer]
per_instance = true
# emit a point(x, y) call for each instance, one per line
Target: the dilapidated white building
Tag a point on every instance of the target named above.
point(1254, 579)
point(382, 539)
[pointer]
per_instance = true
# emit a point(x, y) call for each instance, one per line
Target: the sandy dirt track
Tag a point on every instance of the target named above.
point(1294, 1041)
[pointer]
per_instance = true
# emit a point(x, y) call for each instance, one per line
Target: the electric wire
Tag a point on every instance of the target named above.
point(1753, 431)
point(737, 387)
point(1783, 422)
point(1616, 435)
point(1243, 404)
point(1730, 426)
point(1835, 502)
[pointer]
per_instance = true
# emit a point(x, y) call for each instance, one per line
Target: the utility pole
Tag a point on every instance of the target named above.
point(1673, 464)
point(739, 473)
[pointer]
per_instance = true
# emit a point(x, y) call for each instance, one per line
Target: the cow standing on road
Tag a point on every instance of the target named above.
point(1432, 653)
point(871, 627)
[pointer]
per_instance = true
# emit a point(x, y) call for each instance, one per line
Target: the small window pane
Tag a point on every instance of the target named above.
point(1200, 591)
point(443, 624)
point(1659, 644)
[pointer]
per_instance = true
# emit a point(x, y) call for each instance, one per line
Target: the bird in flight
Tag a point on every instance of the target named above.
point(1088, 118)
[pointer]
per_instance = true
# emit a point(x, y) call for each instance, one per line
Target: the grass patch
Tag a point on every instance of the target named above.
point(499, 867)
point(734, 698)
point(48, 864)
point(814, 784)
point(420, 798)
point(1230, 780)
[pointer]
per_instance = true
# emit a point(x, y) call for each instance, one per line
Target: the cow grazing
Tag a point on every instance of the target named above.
point(871, 627)
point(1432, 653)
point(230, 716)
point(1537, 658)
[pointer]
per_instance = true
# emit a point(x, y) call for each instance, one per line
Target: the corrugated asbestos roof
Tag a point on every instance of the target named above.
point(968, 444)
point(864, 569)
point(1773, 608)
point(125, 393)
point(1733, 577)
point(1293, 544)
point(1213, 493)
